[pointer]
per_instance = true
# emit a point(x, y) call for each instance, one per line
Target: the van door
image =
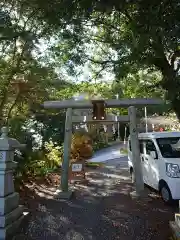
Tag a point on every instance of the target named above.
point(145, 164)
point(153, 170)
point(129, 154)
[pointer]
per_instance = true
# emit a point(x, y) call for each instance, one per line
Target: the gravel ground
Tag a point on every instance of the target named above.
point(100, 210)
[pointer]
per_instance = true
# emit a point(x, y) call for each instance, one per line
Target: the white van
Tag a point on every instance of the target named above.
point(160, 158)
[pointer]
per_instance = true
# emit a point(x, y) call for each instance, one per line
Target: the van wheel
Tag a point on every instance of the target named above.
point(166, 193)
point(132, 175)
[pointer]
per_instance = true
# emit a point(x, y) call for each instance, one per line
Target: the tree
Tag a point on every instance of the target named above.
point(143, 34)
point(25, 80)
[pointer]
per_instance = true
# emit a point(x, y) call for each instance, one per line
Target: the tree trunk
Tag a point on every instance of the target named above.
point(171, 83)
point(13, 105)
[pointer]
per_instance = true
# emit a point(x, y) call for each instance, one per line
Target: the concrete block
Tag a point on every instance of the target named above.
point(6, 183)
point(10, 229)
point(139, 195)
point(6, 156)
point(11, 214)
point(11, 217)
point(62, 195)
point(7, 166)
point(8, 203)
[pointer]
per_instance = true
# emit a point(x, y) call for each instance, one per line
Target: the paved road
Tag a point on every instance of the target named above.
point(115, 146)
point(100, 210)
point(109, 153)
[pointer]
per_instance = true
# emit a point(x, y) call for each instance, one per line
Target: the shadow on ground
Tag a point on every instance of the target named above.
point(102, 209)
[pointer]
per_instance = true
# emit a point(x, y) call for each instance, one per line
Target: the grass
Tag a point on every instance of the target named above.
point(123, 151)
point(92, 164)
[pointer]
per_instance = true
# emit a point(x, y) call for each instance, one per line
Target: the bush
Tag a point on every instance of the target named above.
point(53, 155)
point(40, 162)
point(81, 147)
point(99, 145)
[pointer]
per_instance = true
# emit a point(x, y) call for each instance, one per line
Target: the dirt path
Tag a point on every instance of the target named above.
point(101, 210)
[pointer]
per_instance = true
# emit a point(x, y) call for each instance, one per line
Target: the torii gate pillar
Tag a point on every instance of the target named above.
point(139, 183)
point(67, 152)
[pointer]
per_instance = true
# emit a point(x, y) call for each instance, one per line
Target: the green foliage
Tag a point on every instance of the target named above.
point(94, 164)
point(53, 155)
point(52, 125)
point(39, 41)
point(39, 163)
point(123, 151)
point(92, 89)
point(128, 36)
point(98, 145)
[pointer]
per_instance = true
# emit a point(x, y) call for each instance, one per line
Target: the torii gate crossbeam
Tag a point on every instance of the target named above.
point(123, 103)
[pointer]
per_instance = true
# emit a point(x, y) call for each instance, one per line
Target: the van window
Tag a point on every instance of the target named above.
point(140, 146)
point(130, 145)
point(150, 146)
point(166, 147)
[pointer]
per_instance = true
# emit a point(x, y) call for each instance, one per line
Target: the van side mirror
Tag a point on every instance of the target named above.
point(153, 154)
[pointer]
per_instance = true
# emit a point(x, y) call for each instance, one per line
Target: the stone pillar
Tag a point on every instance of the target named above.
point(137, 167)
point(64, 191)
point(11, 214)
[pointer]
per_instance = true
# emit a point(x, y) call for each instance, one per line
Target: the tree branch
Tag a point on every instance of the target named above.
point(99, 72)
point(174, 56)
point(126, 14)
point(105, 24)
point(10, 77)
point(178, 67)
point(13, 105)
point(103, 62)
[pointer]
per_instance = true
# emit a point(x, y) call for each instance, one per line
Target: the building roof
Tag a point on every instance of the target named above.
point(159, 134)
point(160, 120)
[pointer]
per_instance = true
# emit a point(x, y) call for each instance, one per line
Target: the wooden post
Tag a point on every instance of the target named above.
point(125, 131)
point(67, 150)
point(139, 184)
point(145, 114)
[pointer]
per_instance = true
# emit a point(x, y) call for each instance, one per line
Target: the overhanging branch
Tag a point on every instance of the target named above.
point(103, 62)
point(175, 55)
point(97, 74)
point(178, 67)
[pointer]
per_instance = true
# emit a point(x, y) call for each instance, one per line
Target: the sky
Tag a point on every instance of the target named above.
point(86, 73)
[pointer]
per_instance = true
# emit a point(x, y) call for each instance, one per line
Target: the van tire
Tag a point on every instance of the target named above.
point(132, 175)
point(165, 193)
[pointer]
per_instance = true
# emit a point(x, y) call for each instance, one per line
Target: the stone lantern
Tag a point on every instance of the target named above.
point(11, 214)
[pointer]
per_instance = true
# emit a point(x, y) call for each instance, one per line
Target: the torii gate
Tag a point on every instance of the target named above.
point(64, 192)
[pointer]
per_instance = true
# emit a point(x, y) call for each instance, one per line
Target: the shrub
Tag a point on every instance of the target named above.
point(81, 147)
point(40, 162)
point(99, 145)
point(53, 155)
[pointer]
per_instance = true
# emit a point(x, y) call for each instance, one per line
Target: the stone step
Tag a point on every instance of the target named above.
point(8, 203)
point(10, 229)
point(11, 217)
